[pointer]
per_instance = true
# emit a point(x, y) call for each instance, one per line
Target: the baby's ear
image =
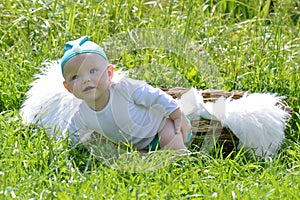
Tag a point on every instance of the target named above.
point(66, 86)
point(110, 71)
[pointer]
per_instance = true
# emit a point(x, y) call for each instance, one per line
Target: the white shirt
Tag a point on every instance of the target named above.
point(133, 114)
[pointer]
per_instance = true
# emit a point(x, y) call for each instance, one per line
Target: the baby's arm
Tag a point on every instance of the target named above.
point(149, 96)
point(182, 125)
point(77, 130)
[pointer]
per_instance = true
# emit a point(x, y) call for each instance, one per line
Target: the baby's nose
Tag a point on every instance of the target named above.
point(86, 79)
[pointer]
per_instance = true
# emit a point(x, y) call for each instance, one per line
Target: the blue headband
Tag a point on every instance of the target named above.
point(80, 46)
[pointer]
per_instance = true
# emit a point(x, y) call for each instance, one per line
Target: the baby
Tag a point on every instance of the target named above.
point(128, 111)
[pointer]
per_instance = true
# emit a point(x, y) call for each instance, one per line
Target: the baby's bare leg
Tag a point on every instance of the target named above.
point(168, 138)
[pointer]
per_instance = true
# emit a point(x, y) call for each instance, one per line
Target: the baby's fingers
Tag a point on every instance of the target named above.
point(177, 124)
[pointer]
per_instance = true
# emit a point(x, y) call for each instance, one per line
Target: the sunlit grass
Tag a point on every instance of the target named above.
point(253, 44)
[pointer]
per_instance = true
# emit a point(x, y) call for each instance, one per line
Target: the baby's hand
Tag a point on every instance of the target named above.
point(182, 125)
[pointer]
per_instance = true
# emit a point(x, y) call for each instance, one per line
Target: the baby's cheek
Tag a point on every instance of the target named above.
point(75, 88)
point(97, 79)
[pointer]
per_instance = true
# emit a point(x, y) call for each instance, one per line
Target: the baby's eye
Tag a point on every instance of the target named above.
point(74, 77)
point(93, 71)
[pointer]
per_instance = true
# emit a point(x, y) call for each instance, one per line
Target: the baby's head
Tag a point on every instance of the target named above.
point(85, 67)
point(80, 46)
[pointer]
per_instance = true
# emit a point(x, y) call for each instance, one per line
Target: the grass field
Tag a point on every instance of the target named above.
point(247, 45)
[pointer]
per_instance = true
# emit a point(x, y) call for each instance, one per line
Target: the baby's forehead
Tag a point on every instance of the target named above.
point(87, 59)
point(81, 61)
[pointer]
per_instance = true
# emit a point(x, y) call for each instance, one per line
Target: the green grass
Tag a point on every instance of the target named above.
point(252, 46)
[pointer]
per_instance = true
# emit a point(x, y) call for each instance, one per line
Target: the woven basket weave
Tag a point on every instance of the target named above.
point(208, 134)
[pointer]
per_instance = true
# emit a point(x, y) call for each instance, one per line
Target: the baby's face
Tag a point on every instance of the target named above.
point(88, 77)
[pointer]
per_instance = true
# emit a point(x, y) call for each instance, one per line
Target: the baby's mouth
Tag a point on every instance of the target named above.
point(87, 89)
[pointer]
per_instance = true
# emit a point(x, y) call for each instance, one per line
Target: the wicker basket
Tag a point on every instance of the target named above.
point(208, 134)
